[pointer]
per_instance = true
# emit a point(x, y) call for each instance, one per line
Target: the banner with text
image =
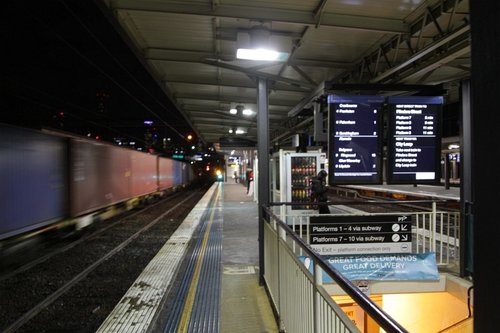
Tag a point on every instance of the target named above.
point(404, 266)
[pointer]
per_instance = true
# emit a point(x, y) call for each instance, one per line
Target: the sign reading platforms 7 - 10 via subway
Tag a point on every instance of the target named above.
point(334, 235)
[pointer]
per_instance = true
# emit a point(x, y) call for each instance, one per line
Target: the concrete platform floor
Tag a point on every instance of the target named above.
point(244, 303)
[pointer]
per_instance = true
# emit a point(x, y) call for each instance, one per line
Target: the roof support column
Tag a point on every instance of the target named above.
point(485, 148)
point(263, 163)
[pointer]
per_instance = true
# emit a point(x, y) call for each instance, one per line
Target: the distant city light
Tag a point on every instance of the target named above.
point(148, 122)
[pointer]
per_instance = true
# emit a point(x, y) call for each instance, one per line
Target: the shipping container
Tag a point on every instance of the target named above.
point(33, 176)
point(165, 173)
point(144, 174)
point(99, 176)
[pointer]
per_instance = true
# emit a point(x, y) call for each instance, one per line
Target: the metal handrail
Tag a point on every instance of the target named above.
point(332, 203)
point(383, 319)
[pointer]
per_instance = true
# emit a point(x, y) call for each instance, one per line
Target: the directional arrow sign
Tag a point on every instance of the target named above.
point(349, 234)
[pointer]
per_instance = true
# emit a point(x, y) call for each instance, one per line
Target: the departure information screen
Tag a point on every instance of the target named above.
point(414, 145)
point(355, 146)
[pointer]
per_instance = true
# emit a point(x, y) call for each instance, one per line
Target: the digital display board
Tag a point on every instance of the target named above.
point(414, 145)
point(354, 142)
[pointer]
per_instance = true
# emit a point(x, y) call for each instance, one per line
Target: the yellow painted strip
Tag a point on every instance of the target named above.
point(188, 305)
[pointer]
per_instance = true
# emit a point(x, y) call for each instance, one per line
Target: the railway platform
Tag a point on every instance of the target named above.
point(205, 278)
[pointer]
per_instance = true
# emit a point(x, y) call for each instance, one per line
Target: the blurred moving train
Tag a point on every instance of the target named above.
point(49, 179)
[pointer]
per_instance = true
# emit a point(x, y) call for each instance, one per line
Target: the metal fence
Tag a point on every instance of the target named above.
point(432, 231)
point(301, 302)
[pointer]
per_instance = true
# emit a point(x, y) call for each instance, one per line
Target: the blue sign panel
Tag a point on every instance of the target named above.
point(400, 267)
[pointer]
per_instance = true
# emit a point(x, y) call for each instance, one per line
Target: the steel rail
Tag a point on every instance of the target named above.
point(54, 296)
point(69, 246)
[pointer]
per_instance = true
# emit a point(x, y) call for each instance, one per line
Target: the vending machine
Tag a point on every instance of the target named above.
point(291, 176)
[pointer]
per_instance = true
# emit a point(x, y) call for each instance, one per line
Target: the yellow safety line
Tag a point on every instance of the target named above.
point(188, 306)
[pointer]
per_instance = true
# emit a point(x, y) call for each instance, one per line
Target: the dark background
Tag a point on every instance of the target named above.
point(66, 68)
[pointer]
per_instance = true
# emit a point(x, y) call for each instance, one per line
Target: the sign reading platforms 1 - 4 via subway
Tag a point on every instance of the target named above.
point(335, 235)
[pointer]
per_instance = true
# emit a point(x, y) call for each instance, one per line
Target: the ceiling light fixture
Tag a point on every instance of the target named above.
point(257, 45)
point(241, 110)
point(261, 54)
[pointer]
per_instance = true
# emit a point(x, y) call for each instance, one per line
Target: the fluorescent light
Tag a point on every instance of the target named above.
point(247, 112)
point(239, 131)
point(233, 111)
point(261, 54)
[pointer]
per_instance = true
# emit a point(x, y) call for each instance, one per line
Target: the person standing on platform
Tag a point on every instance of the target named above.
point(235, 176)
point(249, 179)
point(318, 192)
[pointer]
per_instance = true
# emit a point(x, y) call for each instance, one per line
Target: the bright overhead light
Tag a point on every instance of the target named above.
point(247, 112)
point(261, 54)
point(239, 131)
point(231, 130)
point(233, 111)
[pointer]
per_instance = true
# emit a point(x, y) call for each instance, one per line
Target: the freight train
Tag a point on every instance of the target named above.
point(49, 180)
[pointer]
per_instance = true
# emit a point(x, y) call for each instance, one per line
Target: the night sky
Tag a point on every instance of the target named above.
point(64, 67)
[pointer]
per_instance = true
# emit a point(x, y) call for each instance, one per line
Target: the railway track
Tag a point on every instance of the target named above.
point(374, 202)
point(74, 287)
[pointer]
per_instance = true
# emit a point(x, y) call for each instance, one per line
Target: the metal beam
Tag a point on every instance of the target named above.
point(265, 14)
point(229, 84)
point(231, 99)
point(259, 74)
point(197, 114)
point(424, 52)
point(174, 55)
point(436, 63)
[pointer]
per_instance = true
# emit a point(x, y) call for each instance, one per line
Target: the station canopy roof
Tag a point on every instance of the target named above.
point(190, 48)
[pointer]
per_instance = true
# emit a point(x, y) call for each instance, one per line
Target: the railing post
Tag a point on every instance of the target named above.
point(278, 264)
point(318, 281)
point(434, 226)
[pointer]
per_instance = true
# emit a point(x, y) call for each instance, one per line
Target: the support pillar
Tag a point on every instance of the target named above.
point(263, 165)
